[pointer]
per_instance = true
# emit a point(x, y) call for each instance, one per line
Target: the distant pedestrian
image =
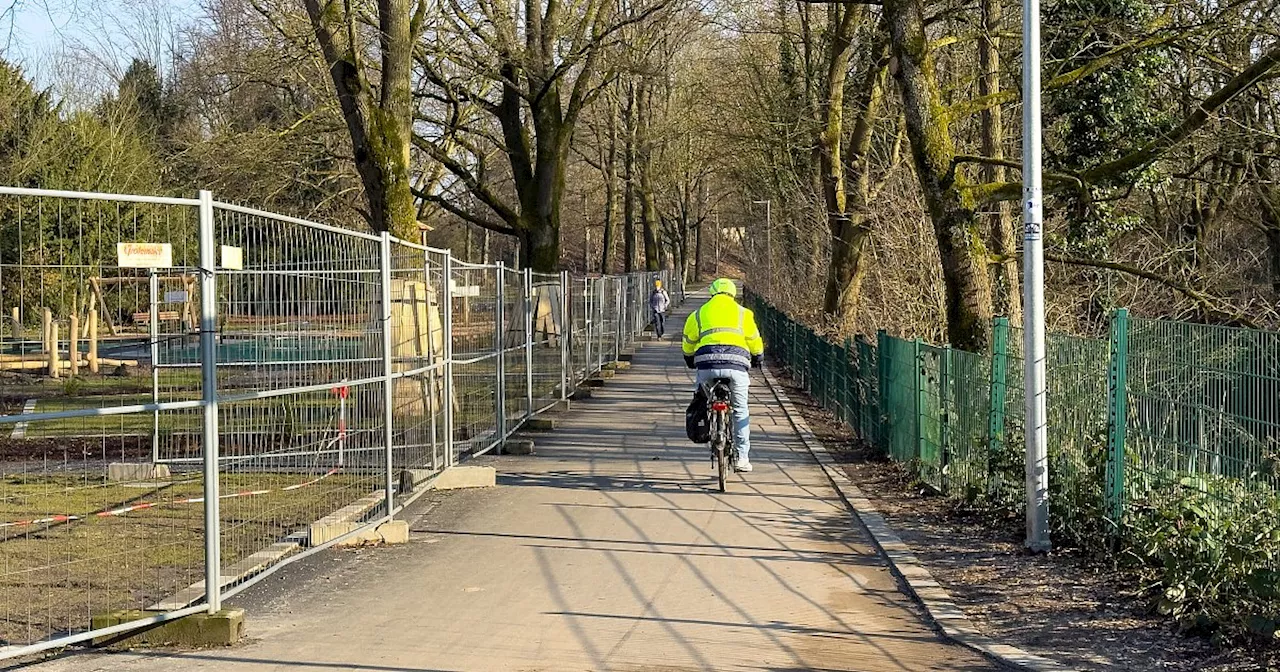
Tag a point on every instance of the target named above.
point(659, 303)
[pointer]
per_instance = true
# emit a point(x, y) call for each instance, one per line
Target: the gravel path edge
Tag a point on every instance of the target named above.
point(945, 614)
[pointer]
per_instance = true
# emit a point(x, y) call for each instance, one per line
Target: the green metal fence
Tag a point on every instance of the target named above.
point(1155, 410)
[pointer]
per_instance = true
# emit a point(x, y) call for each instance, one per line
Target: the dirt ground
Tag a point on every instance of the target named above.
point(1064, 606)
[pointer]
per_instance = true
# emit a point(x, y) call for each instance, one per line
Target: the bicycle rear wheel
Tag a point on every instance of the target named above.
point(722, 463)
point(722, 447)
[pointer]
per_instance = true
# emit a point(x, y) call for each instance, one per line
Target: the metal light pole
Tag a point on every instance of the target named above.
point(768, 237)
point(1033, 286)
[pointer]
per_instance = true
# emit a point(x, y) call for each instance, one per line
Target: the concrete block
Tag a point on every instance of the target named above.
point(221, 629)
point(561, 406)
point(626, 357)
point(412, 479)
point(466, 477)
point(518, 447)
point(137, 471)
point(541, 424)
point(614, 367)
point(594, 382)
point(607, 372)
point(324, 531)
point(390, 532)
point(582, 393)
point(343, 520)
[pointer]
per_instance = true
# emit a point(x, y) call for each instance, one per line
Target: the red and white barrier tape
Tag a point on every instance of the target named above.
point(151, 505)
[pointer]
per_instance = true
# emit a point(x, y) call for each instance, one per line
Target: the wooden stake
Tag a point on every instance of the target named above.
point(47, 324)
point(102, 301)
point(93, 303)
point(54, 367)
point(93, 340)
point(73, 344)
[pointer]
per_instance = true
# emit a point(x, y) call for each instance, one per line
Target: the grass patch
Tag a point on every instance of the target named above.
point(55, 577)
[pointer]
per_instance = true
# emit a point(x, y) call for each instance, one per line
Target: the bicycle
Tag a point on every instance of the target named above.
point(723, 451)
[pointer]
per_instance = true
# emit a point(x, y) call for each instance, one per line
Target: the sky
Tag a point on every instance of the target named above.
point(102, 36)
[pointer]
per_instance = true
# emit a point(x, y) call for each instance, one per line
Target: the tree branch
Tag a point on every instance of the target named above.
point(453, 209)
point(1209, 306)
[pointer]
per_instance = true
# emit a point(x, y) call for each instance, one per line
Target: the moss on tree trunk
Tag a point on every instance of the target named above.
point(956, 226)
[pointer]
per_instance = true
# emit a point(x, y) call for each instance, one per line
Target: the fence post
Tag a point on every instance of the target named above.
point(846, 390)
point(944, 417)
point(998, 390)
point(917, 375)
point(565, 331)
point(881, 365)
point(1117, 415)
point(586, 327)
point(388, 374)
point(433, 375)
point(209, 395)
point(528, 341)
point(447, 324)
point(600, 322)
point(500, 362)
point(618, 299)
point(153, 334)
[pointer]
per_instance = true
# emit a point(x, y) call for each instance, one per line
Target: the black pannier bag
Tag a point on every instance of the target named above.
point(697, 421)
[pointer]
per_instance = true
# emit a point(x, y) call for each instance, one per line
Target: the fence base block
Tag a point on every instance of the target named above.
point(583, 392)
point(390, 532)
point(518, 447)
point(132, 471)
point(454, 478)
point(343, 520)
point(221, 629)
point(541, 424)
point(620, 365)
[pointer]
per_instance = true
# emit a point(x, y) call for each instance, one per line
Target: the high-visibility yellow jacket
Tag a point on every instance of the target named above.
point(722, 335)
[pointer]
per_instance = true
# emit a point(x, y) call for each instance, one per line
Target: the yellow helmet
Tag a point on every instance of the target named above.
point(724, 286)
point(657, 284)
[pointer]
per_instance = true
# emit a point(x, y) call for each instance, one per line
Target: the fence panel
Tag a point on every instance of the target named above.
point(83, 327)
point(233, 375)
point(475, 365)
point(1203, 412)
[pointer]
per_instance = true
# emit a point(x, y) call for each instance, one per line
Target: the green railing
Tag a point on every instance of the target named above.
point(1156, 411)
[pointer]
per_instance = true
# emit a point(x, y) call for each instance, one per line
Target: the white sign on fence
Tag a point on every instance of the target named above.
point(463, 290)
point(232, 258)
point(175, 297)
point(144, 255)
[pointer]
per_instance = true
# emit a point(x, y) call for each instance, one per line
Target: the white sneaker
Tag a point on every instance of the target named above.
point(743, 468)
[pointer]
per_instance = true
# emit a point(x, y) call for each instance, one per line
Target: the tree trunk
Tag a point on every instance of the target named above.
point(1269, 198)
point(379, 124)
point(697, 252)
point(955, 225)
point(610, 190)
point(849, 179)
point(1272, 232)
point(1004, 246)
point(648, 208)
point(629, 181)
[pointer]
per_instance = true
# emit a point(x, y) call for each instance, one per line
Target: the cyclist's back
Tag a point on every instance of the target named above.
point(721, 341)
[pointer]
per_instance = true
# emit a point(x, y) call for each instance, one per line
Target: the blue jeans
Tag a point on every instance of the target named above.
point(740, 381)
point(659, 323)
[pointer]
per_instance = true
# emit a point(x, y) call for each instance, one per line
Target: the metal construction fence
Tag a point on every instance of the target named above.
point(1159, 411)
point(194, 393)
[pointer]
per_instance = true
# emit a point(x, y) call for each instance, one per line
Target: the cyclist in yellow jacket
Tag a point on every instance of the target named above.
point(721, 340)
